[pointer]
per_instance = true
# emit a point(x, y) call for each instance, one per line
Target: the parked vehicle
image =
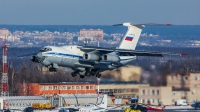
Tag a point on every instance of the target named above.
point(196, 105)
point(41, 106)
point(181, 102)
point(28, 109)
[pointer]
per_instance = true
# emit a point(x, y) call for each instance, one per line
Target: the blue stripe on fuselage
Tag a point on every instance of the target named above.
point(67, 55)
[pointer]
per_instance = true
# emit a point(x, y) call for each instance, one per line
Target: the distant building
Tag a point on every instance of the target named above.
point(90, 34)
point(44, 37)
point(4, 32)
point(155, 94)
point(124, 91)
point(50, 89)
point(184, 86)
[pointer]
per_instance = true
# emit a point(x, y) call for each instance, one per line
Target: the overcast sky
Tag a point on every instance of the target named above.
point(99, 12)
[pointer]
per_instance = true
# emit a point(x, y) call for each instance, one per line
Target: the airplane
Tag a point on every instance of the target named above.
point(90, 60)
point(102, 107)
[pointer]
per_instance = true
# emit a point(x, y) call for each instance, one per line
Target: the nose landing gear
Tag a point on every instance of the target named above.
point(53, 68)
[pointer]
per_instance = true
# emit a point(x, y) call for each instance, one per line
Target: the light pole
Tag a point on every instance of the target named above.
point(98, 39)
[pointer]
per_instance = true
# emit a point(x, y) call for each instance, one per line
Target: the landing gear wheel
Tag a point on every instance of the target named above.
point(73, 74)
point(87, 73)
point(98, 75)
point(51, 69)
point(82, 76)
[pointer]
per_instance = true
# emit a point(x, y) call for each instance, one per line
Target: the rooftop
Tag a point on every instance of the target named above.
point(120, 82)
point(67, 83)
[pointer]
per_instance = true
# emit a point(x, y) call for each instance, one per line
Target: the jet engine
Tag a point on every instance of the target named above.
point(110, 58)
point(91, 57)
point(34, 58)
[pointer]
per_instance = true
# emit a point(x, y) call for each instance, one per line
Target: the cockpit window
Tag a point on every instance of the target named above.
point(45, 49)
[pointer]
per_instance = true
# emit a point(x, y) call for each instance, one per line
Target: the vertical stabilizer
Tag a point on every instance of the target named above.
point(104, 102)
point(131, 37)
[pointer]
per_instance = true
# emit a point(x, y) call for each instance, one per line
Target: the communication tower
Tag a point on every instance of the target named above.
point(4, 79)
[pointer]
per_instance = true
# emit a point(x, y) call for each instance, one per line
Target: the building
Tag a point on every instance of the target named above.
point(121, 89)
point(4, 32)
point(155, 95)
point(50, 89)
point(184, 86)
point(178, 87)
point(21, 102)
point(90, 34)
point(124, 91)
point(80, 99)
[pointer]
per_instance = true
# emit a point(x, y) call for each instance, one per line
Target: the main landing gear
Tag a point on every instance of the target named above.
point(98, 75)
point(73, 74)
point(86, 73)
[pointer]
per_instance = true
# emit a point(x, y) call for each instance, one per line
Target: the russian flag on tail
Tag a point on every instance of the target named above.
point(129, 38)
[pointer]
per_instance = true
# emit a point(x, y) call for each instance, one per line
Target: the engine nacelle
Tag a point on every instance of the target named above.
point(91, 57)
point(110, 58)
point(34, 58)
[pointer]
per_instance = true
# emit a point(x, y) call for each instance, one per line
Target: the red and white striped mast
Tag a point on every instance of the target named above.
point(4, 79)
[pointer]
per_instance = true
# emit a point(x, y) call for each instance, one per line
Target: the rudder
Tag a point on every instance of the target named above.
point(131, 37)
point(104, 102)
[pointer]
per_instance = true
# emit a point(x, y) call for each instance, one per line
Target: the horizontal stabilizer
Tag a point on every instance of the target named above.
point(145, 24)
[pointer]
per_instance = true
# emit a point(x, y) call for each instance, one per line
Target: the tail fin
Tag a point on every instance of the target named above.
point(131, 38)
point(104, 102)
point(132, 35)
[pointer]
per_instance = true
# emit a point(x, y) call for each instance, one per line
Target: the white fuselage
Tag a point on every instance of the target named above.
point(71, 56)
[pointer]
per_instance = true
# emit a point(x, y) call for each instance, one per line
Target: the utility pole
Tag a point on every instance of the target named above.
point(98, 39)
point(98, 79)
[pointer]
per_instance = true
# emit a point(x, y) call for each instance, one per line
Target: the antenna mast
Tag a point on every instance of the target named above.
point(4, 79)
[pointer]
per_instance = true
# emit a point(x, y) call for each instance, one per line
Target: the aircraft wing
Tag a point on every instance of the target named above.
point(125, 52)
point(146, 53)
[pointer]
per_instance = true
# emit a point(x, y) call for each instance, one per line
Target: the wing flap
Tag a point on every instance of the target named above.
point(148, 54)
